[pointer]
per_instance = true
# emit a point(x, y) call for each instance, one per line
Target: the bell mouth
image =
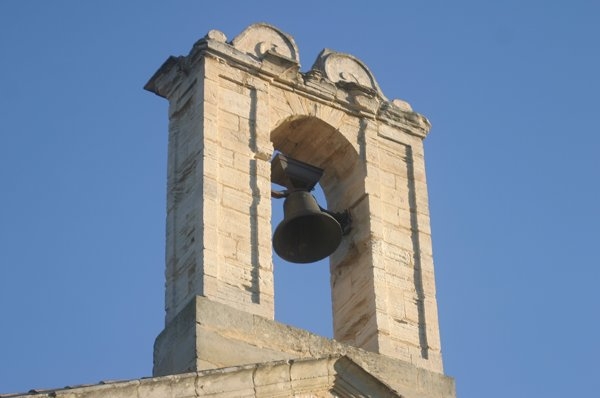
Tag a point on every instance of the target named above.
point(306, 234)
point(308, 238)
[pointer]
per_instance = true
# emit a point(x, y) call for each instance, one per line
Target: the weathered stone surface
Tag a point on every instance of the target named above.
point(231, 105)
point(327, 377)
point(345, 68)
point(225, 336)
point(258, 39)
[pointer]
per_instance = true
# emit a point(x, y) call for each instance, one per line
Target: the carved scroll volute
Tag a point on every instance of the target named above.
point(261, 39)
point(347, 71)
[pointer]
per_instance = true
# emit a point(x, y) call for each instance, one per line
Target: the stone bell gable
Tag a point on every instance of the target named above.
point(231, 106)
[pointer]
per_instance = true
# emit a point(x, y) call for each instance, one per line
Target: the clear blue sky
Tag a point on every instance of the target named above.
point(511, 88)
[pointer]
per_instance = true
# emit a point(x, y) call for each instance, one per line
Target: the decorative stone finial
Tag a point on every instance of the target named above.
point(345, 68)
point(260, 38)
point(216, 35)
point(231, 104)
point(401, 104)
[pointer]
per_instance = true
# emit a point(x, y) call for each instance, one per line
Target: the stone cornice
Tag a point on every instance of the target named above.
point(336, 374)
point(265, 51)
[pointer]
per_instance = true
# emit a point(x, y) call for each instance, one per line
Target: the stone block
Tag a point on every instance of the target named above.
point(238, 383)
point(273, 380)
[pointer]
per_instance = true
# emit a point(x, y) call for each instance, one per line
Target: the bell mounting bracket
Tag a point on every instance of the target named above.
point(296, 175)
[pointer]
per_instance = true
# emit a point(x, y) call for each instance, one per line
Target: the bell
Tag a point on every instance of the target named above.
point(306, 233)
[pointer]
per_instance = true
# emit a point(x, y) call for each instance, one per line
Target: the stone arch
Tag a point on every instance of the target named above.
point(339, 152)
point(314, 141)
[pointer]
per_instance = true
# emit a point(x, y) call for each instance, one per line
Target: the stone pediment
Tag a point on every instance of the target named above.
point(323, 377)
point(348, 72)
point(260, 39)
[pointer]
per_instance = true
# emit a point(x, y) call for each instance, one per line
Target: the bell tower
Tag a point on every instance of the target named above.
point(232, 106)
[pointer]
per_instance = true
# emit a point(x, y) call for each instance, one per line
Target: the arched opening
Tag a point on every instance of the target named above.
point(311, 140)
point(302, 291)
point(310, 304)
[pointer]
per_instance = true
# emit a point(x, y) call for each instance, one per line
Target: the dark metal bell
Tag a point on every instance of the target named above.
point(306, 233)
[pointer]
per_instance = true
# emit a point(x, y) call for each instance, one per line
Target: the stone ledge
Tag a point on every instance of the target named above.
point(321, 377)
point(210, 335)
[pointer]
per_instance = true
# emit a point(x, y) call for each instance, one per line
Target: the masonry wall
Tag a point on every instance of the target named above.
point(233, 104)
